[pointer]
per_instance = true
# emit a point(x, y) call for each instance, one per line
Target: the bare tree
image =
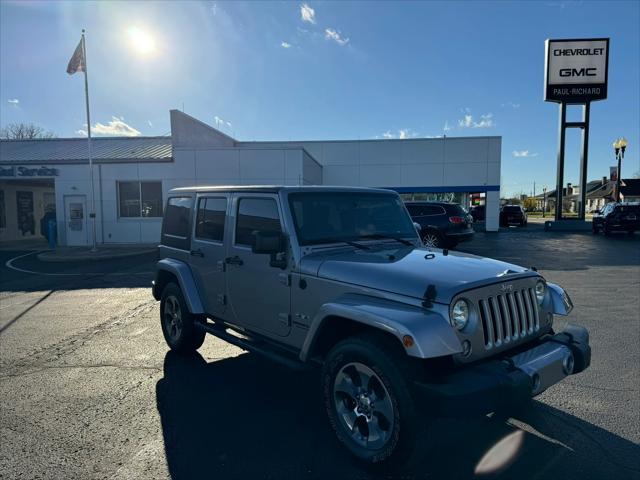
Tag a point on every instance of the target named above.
point(24, 131)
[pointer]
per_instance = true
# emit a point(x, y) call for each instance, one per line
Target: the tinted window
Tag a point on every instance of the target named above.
point(210, 218)
point(511, 209)
point(455, 209)
point(432, 210)
point(176, 218)
point(256, 214)
point(151, 193)
point(414, 210)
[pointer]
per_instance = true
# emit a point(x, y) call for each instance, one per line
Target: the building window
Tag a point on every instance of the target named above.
point(140, 199)
point(256, 214)
point(211, 218)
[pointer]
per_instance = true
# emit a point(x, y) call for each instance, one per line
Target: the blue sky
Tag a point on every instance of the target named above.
point(334, 70)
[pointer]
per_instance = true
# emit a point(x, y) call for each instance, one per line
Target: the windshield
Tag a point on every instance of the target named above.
point(326, 217)
point(510, 209)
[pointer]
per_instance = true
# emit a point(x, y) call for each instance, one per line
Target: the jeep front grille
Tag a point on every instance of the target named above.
point(508, 317)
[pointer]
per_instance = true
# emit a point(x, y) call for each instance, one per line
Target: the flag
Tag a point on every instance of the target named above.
point(77, 62)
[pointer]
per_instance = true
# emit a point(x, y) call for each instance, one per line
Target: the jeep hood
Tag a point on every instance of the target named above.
point(418, 272)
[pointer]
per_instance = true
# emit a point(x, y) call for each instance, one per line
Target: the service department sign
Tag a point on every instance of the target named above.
point(576, 71)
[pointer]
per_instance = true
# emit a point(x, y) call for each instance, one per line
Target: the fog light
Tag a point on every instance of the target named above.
point(466, 348)
point(567, 364)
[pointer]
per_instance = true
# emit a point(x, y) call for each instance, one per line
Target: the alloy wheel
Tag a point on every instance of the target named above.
point(172, 317)
point(431, 240)
point(363, 405)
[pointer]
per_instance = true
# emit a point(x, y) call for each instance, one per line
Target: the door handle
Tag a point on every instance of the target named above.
point(235, 260)
point(197, 253)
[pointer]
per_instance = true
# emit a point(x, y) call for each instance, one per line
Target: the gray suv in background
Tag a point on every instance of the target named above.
point(338, 279)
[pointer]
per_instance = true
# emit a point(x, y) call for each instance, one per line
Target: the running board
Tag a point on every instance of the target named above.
point(282, 357)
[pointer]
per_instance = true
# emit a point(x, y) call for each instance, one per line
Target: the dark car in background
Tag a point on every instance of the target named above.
point(513, 215)
point(617, 217)
point(479, 213)
point(442, 224)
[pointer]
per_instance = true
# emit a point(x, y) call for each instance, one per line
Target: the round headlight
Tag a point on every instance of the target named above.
point(541, 289)
point(460, 314)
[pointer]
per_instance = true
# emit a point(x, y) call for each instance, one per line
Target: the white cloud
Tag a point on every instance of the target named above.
point(285, 45)
point(149, 123)
point(402, 134)
point(307, 13)
point(446, 127)
point(116, 128)
point(510, 104)
point(486, 121)
point(14, 101)
point(331, 34)
point(524, 153)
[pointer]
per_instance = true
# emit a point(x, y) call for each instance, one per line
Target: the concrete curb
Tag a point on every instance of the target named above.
point(82, 254)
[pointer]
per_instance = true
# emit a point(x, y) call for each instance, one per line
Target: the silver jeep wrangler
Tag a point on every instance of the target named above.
point(338, 278)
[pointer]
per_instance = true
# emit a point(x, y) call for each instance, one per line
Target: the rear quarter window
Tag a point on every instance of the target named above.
point(176, 225)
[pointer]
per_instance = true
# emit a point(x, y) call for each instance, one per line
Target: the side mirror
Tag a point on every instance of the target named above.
point(273, 244)
point(268, 242)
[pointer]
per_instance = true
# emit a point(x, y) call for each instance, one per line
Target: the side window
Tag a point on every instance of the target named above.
point(176, 218)
point(414, 210)
point(210, 219)
point(256, 214)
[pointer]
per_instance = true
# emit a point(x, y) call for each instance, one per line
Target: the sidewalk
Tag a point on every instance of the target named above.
point(104, 252)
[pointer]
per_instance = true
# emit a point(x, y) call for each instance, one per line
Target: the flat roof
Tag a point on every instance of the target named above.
point(274, 189)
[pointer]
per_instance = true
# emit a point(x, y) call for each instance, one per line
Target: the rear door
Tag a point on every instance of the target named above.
point(259, 294)
point(208, 251)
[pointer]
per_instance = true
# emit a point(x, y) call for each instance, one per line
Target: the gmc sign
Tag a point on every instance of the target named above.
point(576, 71)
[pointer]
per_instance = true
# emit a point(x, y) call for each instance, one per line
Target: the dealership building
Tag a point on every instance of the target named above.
point(47, 178)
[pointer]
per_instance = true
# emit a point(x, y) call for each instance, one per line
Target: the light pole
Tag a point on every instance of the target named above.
point(619, 146)
point(544, 200)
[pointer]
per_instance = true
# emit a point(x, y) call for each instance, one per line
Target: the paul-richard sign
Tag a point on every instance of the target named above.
point(576, 71)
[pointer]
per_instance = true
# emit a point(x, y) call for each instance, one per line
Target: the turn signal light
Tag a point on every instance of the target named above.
point(407, 341)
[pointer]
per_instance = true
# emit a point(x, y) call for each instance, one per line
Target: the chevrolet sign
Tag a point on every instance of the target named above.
point(576, 71)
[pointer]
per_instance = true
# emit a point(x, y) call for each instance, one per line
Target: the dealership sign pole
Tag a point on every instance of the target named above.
point(576, 73)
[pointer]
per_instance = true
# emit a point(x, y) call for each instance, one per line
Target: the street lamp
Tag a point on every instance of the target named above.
point(619, 146)
point(544, 200)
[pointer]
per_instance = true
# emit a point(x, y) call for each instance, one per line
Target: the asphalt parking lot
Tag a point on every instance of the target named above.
point(88, 390)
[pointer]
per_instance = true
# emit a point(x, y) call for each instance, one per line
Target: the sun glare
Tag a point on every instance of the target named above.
point(141, 41)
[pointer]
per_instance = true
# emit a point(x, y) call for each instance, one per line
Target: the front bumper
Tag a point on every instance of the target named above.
point(509, 380)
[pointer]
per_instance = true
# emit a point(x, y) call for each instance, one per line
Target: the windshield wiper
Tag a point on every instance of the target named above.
point(390, 237)
point(339, 240)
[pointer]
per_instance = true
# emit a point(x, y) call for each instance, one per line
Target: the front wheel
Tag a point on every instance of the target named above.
point(178, 324)
point(368, 401)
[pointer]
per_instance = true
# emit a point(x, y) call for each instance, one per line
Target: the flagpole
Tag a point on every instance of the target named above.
point(92, 214)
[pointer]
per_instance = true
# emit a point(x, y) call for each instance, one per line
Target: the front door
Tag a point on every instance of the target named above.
point(259, 294)
point(75, 219)
point(208, 252)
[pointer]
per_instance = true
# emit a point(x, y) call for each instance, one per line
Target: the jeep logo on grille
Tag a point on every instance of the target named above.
point(506, 287)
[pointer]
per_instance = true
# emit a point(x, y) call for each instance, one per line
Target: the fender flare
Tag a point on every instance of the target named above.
point(433, 335)
point(560, 302)
point(182, 272)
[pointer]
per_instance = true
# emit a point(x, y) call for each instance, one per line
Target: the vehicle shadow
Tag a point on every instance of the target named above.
point(245, 417)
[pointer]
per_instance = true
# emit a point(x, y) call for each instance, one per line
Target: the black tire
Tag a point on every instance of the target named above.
point(432, 238)
point(606, 231)
point(178, 324)
point(594, 229)
point(392, 370)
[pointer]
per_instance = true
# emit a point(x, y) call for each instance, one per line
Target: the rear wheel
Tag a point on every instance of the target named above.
point(594, 229)
point(432, 238)
point(368, 400)
point(178, 324)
